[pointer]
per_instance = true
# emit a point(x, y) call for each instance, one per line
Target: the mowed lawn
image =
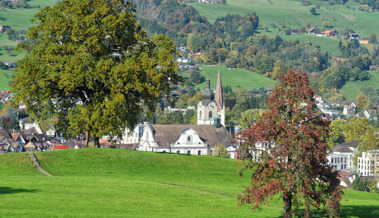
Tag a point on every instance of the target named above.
point(113, 182)
point(235, 77)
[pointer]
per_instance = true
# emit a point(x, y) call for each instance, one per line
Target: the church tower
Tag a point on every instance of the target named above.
point(211, 106)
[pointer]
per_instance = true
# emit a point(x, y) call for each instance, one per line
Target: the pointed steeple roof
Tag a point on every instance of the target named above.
point(218, 97)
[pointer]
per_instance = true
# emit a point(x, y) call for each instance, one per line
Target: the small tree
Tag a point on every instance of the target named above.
point(312, 11)
point(373, 38)
point(294, 164)
point(220, 151)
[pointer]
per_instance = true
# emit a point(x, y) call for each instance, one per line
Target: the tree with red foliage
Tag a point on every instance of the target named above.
point(293, 164)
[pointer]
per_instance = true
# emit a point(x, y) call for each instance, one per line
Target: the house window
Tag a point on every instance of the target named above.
point(189, 138)
point(188, 152)
point(332, 160)
point(178, 152)
point(199, 152)
point(210, 114)
point(200, 114)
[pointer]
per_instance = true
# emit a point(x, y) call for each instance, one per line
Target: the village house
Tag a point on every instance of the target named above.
point(4, 28)
point(330, 33)
point(336, 103)
point(369, 113)
point(183, 60)
point(349, 109)
point(312, 30)
point(346, 178)
point(353, 36)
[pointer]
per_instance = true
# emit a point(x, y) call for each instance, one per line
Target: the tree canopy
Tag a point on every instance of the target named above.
point(91, 67)
point(293, 163)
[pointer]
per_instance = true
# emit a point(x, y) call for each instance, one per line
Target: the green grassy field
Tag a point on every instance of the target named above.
point(292, 14)
point(351, 89)
point(235, 77)
point(114, 182)
point(5, 77)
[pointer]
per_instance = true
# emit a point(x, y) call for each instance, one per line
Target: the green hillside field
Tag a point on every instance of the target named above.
point(122, 183)
point(292, 14)
point(351, 89)
point(235, 77)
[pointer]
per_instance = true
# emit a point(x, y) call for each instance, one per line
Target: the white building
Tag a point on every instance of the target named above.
point(186, 139)
point(368, 163)
point(132, 137)
point(212, 106)
point(338, 162)
point(348, 149)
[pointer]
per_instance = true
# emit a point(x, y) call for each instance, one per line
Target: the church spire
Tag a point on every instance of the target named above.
point(218, 97)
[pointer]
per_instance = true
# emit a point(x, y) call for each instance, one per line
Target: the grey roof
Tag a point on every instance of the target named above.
point(169, 134)
point(353, 143)
point(340, 149)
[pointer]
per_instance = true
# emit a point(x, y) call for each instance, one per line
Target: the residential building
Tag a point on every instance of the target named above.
point(368, 163)
point(337, 161)
point(348, 149)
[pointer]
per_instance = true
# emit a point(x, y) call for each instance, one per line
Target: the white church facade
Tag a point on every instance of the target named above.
point(211, 108)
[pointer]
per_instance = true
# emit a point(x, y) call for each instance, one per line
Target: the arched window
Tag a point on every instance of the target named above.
point(210, 114)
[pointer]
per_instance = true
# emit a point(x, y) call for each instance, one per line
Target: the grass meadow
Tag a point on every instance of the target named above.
point(121, 183)
point(234, 77)
point(5, 77)
point(292, 14)
point(351, 89)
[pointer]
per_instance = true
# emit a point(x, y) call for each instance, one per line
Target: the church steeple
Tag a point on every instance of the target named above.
point(207, 94)
point(218, 97)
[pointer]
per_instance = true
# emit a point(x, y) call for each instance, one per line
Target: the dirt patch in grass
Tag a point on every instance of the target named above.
point(348, 17)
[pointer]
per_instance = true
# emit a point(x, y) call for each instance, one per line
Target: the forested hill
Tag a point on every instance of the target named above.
point(169, 18)
point(233, 40)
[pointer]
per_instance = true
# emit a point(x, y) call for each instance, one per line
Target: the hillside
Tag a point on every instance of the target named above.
point(292, 14)
point(234, 77)
point(19, 20)
point(275, 14)
point(112, 182)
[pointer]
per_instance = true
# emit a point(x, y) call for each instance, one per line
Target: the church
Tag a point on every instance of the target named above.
point(211, 108)
point(197, 139)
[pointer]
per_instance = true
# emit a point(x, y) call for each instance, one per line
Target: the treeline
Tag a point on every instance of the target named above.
point(241, 107)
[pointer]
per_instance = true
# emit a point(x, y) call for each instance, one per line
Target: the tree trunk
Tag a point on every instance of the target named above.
point(87, 138)
point(96, 143)
point(287, 200)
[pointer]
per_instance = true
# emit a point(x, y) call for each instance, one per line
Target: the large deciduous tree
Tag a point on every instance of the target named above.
point(90, 65)
point(293, 165)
